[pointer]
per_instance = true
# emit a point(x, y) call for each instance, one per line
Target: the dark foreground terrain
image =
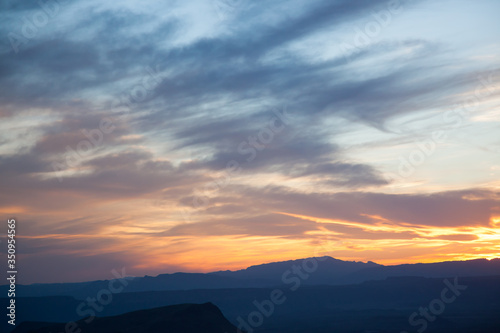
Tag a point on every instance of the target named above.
point(183, 318)
point(392, 305)
point(314, 295)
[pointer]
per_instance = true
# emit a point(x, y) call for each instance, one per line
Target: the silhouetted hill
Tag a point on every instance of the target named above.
point(184, 318)
point(175, 281)
point(326, 270)
point(477, 267)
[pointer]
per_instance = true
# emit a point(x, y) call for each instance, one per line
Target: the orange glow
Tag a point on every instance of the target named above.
point(151, 252)
point(12, 210)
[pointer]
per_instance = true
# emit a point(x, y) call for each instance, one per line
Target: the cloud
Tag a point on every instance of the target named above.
point(218, 86)
point(453, 208)
point(259, 225)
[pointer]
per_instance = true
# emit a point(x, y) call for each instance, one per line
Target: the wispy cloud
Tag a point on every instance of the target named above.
point(188, 87)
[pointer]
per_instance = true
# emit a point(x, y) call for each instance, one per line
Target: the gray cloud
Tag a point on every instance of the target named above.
point(216, 91)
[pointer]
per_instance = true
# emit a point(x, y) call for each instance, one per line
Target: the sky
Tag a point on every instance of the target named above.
point(205, 135)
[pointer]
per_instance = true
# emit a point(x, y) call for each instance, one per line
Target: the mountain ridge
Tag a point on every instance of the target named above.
point(181, 318)
point(320, 271)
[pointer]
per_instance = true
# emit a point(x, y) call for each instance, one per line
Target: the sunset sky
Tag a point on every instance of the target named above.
point(204, 135)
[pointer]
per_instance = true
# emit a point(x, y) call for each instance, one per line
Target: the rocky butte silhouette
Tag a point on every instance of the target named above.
point(183, 318)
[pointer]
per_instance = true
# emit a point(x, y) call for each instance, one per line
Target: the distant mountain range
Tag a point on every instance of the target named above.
point(183, 318)
point(309, 271)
